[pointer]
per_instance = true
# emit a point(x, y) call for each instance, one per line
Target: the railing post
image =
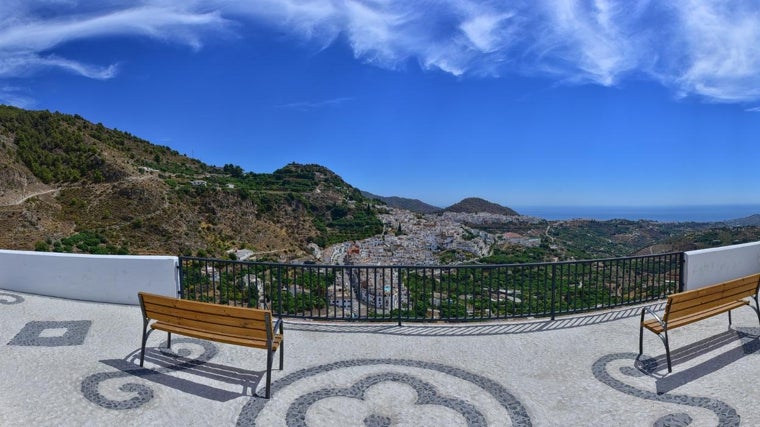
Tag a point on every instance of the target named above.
point(554, 287)
point(399, 295)
point(681, 271)
point(279, 289)
point(181, 278)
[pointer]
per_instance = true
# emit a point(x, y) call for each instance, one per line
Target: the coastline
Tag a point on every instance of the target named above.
point(675, 213)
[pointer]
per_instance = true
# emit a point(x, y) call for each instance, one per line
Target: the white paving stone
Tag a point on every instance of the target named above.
point(575, 371)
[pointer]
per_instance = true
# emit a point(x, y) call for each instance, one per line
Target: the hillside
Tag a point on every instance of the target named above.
point(70, 185)
point(412, 205)
point(477, 205)
point(747, 221)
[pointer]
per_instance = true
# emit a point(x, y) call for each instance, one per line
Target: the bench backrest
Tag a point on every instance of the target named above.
point(245, 322)
point(693, 301)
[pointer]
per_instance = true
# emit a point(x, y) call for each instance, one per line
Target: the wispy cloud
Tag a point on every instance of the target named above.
point(314, 105)
point(29, 32)
point(16, 96)
point(694, 47)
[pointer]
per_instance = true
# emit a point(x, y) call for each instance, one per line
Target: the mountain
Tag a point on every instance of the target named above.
point(746, 221)
point(70, 185)
point(413, 205)
point(477, 205)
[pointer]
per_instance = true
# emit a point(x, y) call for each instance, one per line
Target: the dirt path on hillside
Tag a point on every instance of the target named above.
point(29, 196)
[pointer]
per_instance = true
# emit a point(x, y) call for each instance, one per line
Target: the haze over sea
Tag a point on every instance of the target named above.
point(703, 213)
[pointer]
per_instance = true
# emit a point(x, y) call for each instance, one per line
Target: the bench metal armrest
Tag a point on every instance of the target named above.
point(653, 314)
point(277, 324)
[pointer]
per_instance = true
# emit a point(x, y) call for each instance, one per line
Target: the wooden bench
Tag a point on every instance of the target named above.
point(691, 306)
point(248, 327)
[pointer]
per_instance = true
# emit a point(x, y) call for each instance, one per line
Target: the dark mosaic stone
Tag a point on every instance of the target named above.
point(727, 415)
point(674, 420)
point(375, 420)
point(141, 394)
point(426, 395)
point(517, 412)
point(31, 333)
point(10, 299)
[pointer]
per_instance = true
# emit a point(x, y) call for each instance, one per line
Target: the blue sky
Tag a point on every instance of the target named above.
point(534, 102)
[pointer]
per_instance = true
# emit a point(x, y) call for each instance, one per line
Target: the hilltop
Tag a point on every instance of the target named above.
point(477, 205)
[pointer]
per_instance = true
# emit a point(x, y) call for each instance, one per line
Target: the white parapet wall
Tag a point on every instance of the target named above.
point(101, 278)
point(714, 265)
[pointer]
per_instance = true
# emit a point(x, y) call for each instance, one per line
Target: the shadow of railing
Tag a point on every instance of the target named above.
point(501, 328)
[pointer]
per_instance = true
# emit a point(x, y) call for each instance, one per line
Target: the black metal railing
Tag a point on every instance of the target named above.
point(432, 293)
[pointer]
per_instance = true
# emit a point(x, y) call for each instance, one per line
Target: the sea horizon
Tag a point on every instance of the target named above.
point(675, 213)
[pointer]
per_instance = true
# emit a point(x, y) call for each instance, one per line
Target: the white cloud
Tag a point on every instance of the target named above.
point(486, 32)
point(696, 48)
point(717, 51)
point(313, 105)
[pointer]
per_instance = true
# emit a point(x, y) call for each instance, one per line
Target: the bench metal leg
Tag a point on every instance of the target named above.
point(641, 334)
point(269, 372)
point(144, 340)
point(729, 318)
point(667, 351)
point(282, 353)
point(664, 337)
point(169, 340)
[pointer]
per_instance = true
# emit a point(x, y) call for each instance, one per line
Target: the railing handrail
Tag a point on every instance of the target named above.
point(417, 266)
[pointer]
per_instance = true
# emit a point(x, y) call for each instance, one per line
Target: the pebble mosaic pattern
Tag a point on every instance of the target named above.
point(10, 299)
point(139, 393)
point(727, 415)
point(52, 333)
point(426, 393)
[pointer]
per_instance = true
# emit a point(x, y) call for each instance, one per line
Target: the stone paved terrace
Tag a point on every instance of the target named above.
point(72, 363)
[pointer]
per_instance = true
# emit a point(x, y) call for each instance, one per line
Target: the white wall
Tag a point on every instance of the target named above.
point(102, 278)
point(708, 266)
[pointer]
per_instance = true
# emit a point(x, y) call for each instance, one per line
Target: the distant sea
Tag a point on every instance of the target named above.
point(706, 213)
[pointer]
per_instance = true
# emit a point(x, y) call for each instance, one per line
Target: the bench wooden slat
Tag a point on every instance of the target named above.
point(686, 303)
point(153, 311)
point(224, 338)
point(223, 310)
point(238, 330)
